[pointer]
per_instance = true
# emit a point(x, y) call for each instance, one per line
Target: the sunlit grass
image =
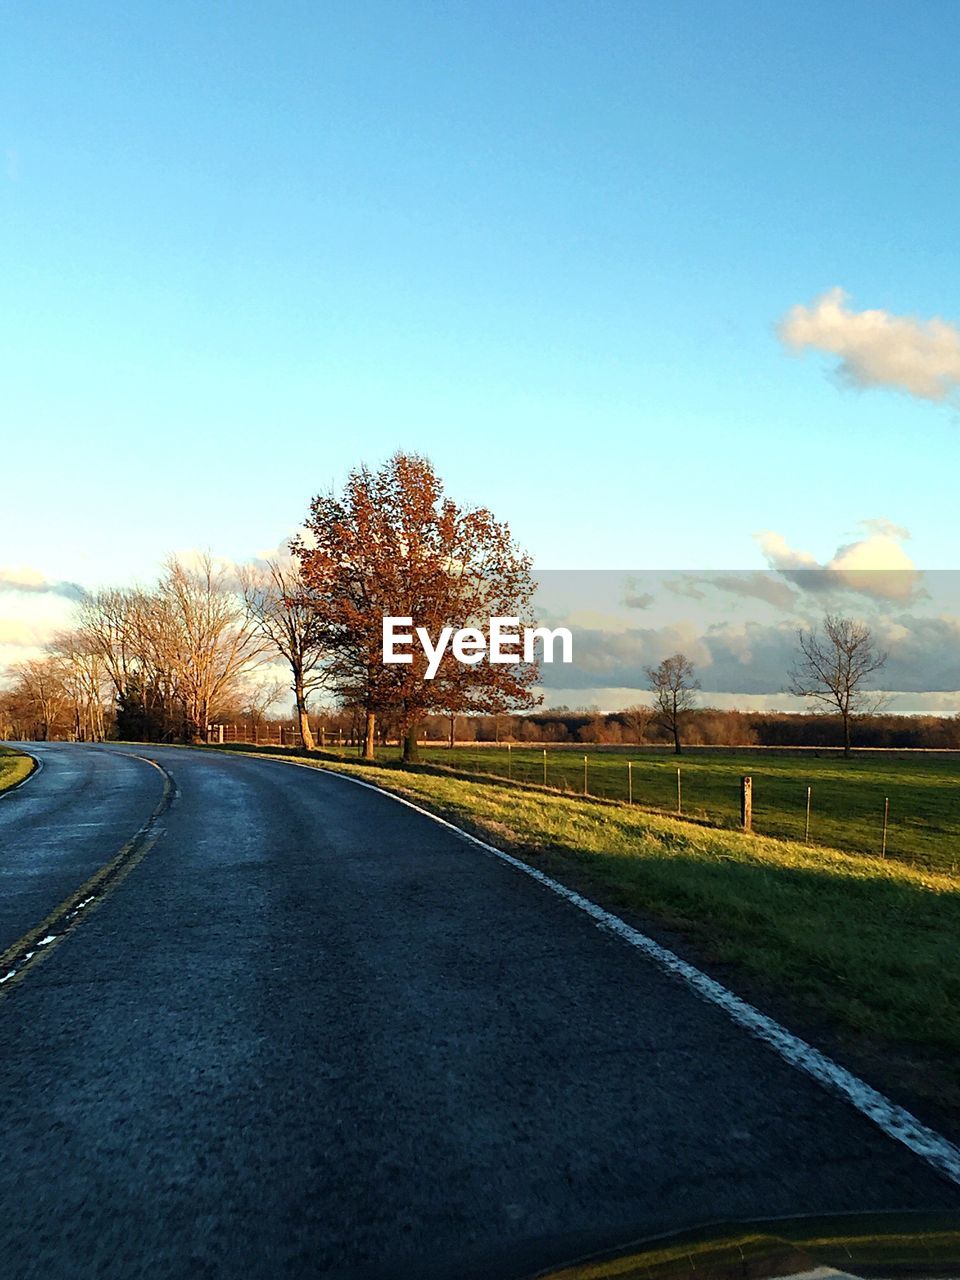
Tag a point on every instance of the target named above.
point(14, 767)
point(847, 796)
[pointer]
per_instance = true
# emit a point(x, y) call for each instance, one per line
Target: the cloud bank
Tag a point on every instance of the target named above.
point(753, 658)
point(876, 348)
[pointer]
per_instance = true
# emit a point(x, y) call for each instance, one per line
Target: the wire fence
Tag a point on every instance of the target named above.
point(904, 810)
point(908, 810)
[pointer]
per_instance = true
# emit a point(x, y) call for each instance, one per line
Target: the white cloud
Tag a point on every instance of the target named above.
point(876, 348)
point(875, 565)
point(780, 555)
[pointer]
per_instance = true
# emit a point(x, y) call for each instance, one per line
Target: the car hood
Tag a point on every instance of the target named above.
point(923, 1246)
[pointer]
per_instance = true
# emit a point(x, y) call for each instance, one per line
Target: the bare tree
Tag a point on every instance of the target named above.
point(279, 605)
point(638, 718)
point(85, 682)
point(674, 686)
point(172, 653)
point(106, 621)
point(258, 700)
point(209, 640)
point(832, 670)
point(136, 635)
point(39, 685)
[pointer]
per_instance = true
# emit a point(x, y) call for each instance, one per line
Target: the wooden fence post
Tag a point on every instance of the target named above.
point(806, 827)
point(746, 803)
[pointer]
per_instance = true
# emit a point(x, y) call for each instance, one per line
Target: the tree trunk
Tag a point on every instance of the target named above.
point(370, 736)
point(411, 748)
point(846, 735)
point(453, 732)
point(306, 733)
point(677, 745)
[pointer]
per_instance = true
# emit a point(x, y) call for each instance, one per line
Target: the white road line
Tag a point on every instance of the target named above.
point(895, 1121)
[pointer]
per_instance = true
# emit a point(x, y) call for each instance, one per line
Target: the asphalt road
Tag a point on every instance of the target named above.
point(312, 1033)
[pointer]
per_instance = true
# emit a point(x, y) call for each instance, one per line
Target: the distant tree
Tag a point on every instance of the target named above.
point(257, 699)
point(43, 696)
point(212, 642)
point(674, 686)
point(110, 622)
point(284, 616)
point(137, 638)
point(832, 671)
point(85, 682)
point(144, 713)
point(637, 719)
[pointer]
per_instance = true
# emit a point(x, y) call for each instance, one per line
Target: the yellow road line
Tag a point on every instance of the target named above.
point(33, 947)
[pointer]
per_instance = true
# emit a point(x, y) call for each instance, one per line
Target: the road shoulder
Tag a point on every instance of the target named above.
point(921, 1077)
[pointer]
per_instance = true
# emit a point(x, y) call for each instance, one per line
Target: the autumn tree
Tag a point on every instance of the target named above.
point(393, 544)
point(674, 686)
point(833, 669)
point(286, 618)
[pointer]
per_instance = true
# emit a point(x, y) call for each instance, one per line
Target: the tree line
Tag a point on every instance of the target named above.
point(163, 663)
point(172, 658)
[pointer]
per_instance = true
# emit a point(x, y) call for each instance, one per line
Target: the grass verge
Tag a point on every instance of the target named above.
point(847, 796)
point(857, 950)
point(14, 767)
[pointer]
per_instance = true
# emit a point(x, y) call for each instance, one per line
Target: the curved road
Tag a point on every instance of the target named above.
point(313, 1033)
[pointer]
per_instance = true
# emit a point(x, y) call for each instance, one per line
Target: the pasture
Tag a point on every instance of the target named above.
point(846, 796)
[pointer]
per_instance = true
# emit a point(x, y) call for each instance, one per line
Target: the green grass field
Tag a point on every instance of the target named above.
point(847, 796)
point(867, 948)
point(14, 767)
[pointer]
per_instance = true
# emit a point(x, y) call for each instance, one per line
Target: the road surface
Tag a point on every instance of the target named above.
point(312, 1033)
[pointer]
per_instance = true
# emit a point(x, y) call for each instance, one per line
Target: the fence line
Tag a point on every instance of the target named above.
point(779, 806)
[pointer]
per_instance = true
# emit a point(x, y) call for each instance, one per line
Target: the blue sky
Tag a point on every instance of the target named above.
point(548, 244)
